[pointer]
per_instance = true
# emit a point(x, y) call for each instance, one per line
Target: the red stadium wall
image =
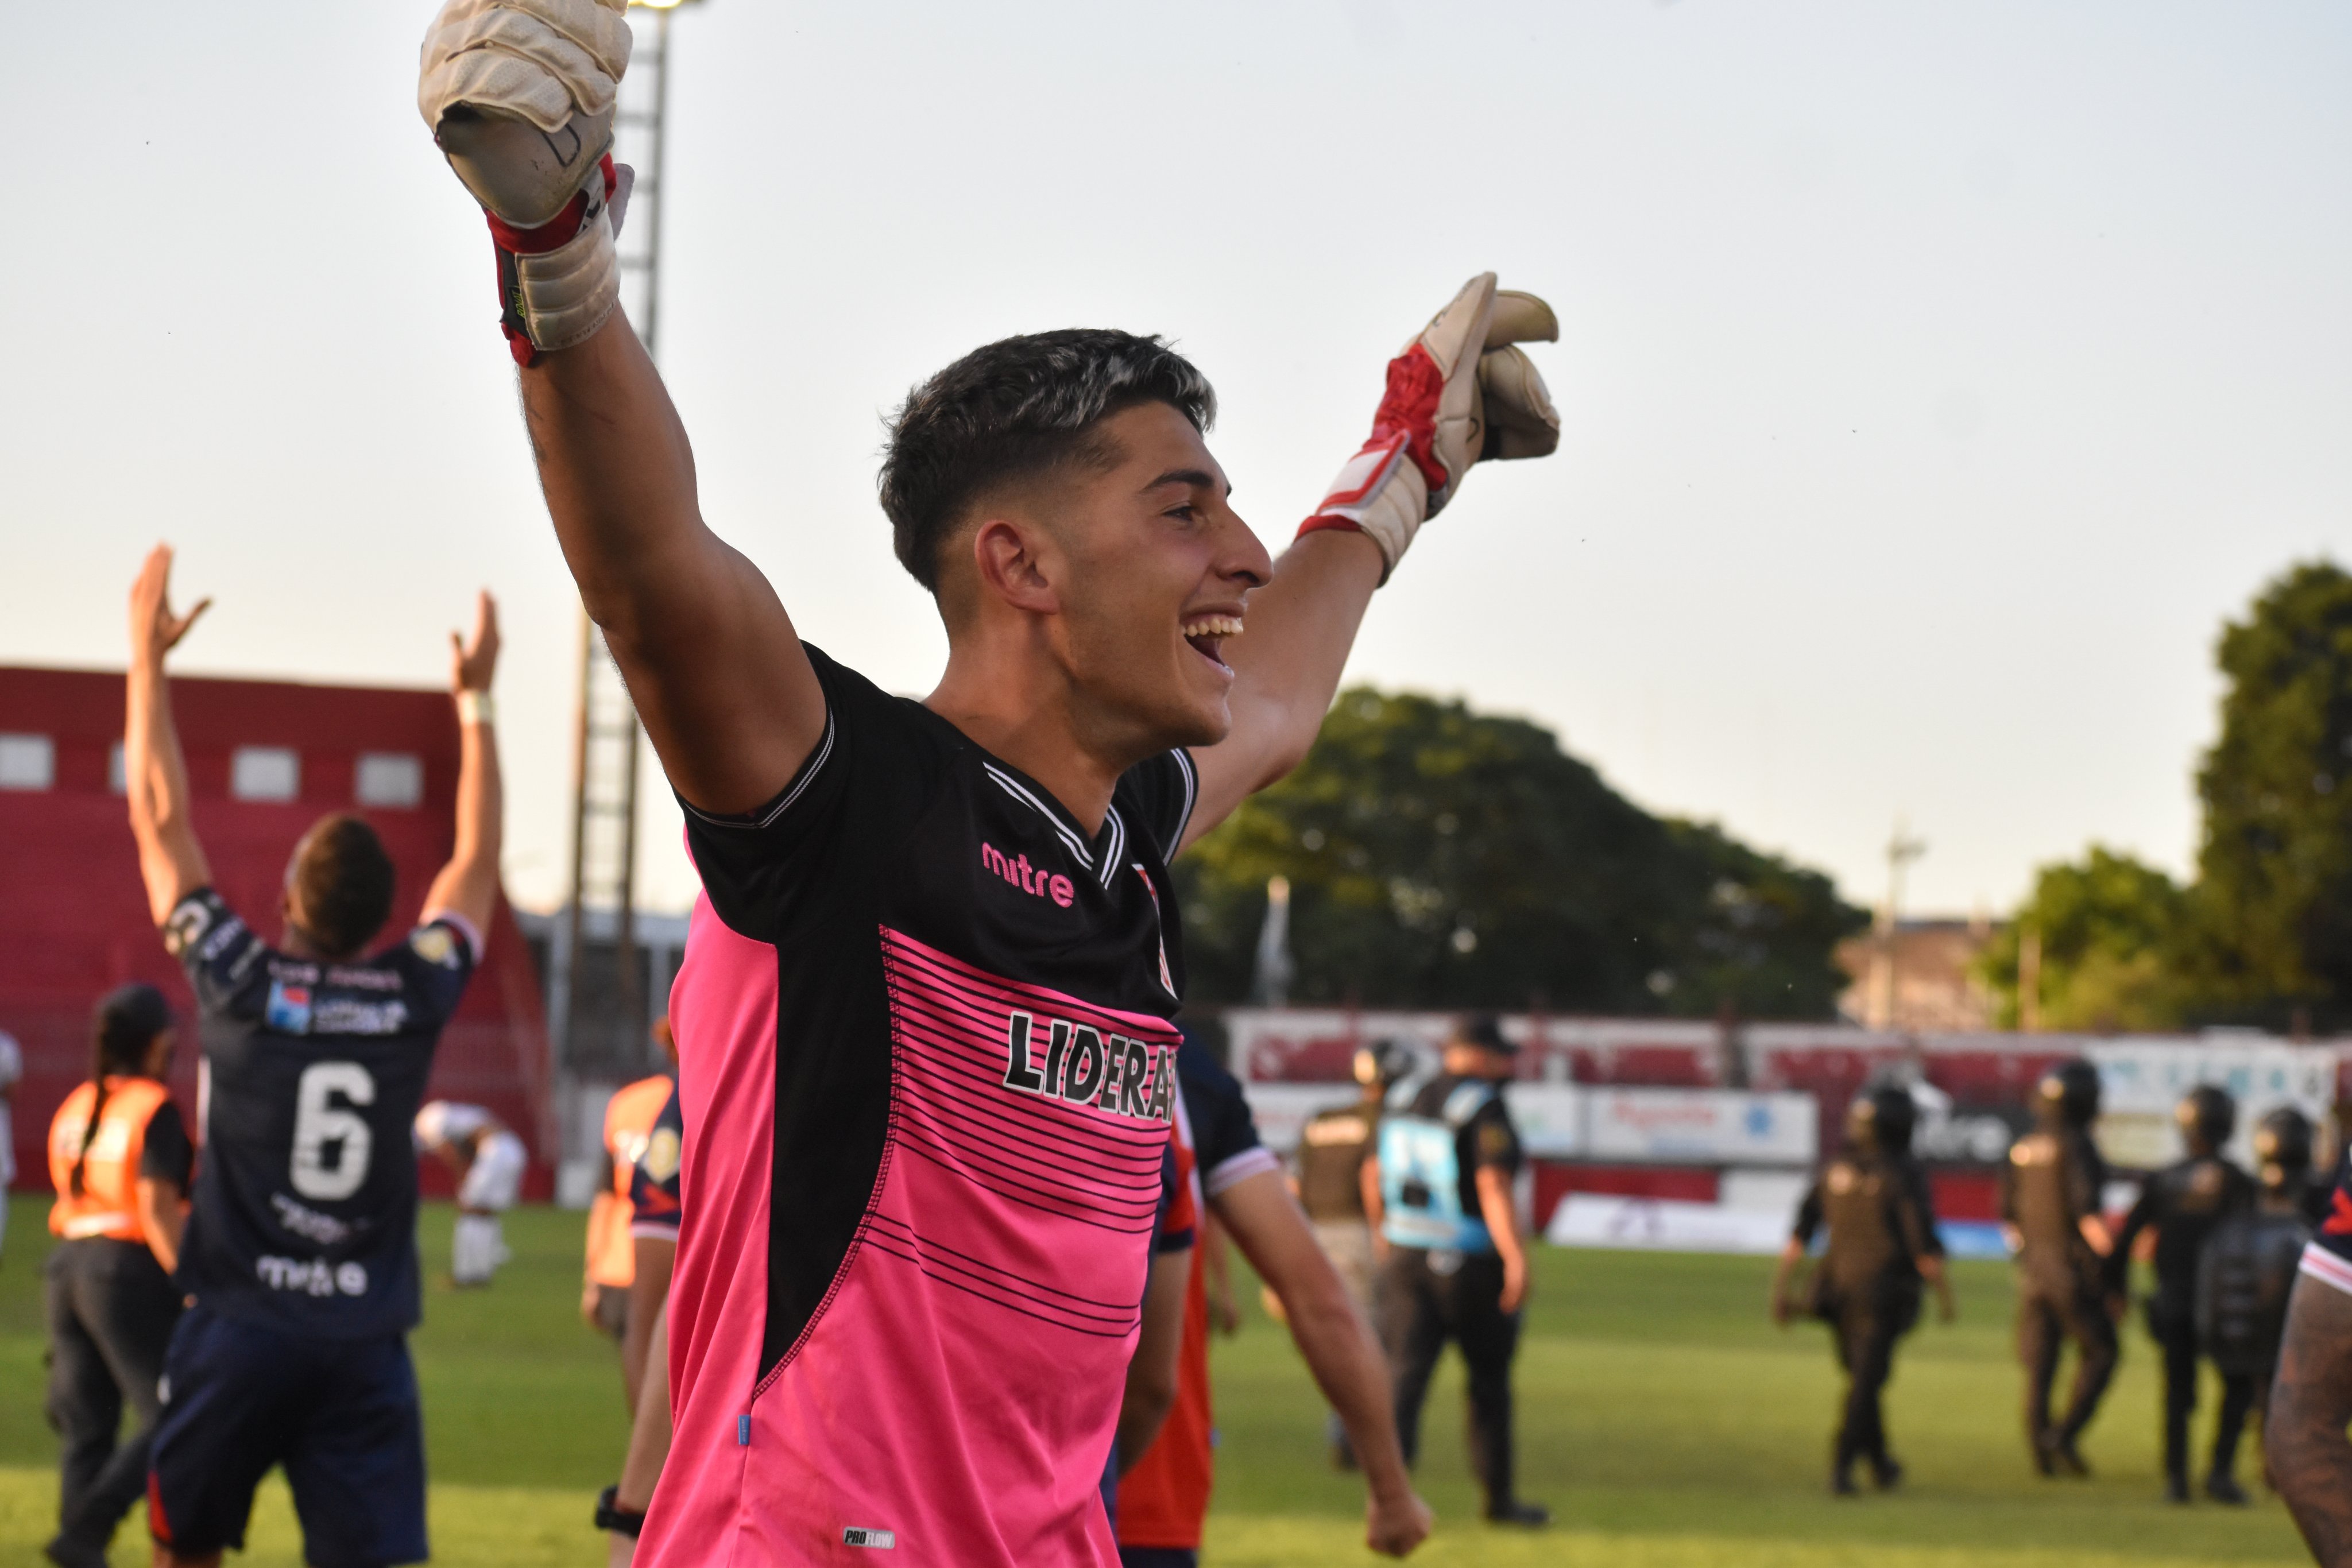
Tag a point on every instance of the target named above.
point(73, 914)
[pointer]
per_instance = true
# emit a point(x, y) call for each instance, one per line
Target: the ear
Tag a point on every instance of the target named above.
point(1014, 565)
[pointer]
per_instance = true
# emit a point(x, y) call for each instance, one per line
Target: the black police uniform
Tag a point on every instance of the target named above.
point(1880, 1224)
point(2184, 1202)
point(1444, 1279)
point(2052, 1182)
point(300, 1251)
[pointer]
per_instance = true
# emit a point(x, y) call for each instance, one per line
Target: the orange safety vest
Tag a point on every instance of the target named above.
point(629, 1118)
point(109, 1166)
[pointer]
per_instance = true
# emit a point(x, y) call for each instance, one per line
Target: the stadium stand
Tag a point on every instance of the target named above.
point(266, 759)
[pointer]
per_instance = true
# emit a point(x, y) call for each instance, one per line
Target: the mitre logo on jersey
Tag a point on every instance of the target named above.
point(1076, 1063)
point(1029, 879)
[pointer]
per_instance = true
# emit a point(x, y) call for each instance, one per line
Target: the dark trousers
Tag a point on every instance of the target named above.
point(1420, 1307)
point(111, 1310)
point(1866, 1330)
point(2051, 1312)
point(2179, 1344)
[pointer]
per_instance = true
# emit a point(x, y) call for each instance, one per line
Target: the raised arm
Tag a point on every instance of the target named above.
point(711, 660)
point(155, 774)
point(1459, 393)
point(467, 887)
point(521, 100)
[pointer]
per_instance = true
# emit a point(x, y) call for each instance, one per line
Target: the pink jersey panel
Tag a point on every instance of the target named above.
point(723, 1012)
point(958, 1392)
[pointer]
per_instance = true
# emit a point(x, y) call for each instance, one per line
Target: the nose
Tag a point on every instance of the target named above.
point(1242, 556)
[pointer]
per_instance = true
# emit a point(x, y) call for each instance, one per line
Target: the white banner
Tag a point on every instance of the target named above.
point(1549, 1116)
point(1661, 1225)
point(1700, 1127)
point(1280, 1110)
point(2141, 1080)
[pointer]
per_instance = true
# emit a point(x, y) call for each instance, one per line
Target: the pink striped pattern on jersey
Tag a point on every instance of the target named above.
point(960, 1387)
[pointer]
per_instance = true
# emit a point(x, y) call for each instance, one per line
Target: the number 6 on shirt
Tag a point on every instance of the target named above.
point(318, 1123)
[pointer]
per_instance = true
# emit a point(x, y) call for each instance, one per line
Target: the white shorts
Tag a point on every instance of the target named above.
point(496, 1178)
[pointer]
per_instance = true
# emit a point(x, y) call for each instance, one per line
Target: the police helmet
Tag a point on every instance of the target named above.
point(1881, 1119)
point(2069, 1093)
point(2207, 1115)
point(2282, 1146)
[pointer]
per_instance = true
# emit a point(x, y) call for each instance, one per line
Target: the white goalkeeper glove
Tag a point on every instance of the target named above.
point(520, 96)
point(1458, 394)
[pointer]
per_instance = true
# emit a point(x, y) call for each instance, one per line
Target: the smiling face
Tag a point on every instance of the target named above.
point(1138, 573)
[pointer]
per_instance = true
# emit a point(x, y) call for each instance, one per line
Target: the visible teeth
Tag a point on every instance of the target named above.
point(1214, 626)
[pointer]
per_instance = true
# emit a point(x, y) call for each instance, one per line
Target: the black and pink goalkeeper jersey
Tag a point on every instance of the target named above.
point(928, 1074)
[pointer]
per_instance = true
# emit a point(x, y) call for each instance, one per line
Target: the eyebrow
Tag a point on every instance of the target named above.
point(1199, 478)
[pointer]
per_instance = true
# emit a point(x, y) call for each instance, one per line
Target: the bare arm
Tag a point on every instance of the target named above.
point(2311, 1402)
point(1338, 1345)
point(1151, 1371)
point(1217, 1275)
point(155, 774)
point(1785, 1275)
point(710, 657)
point(1501, 1213)
point(1375, 1208)
point(163, 1214)
point(1286, 667)
point(469, 886)
point(649, 1295)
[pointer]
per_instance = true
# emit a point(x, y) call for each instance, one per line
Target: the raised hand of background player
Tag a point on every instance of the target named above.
point(1460, 392)
point(155, 629)
point(520, 96)
point(474, 660)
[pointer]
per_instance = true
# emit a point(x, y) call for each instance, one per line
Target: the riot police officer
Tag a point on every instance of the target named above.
point(2185, 1201)
point(1329, 1174)
point(1455, 1267)
point(2050, 1208)
point(1882, 1244)
point(2248, 1271)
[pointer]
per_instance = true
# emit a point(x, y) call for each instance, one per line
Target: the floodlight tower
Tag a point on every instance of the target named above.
point(592, 1030)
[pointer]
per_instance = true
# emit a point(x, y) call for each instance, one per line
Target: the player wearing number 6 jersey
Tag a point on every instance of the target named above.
point(299, 1256)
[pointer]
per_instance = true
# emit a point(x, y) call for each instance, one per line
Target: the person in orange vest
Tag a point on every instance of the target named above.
point(120, 1159)
point(629, 1118)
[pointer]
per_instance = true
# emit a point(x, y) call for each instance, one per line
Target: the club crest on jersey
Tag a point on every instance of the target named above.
point(288, 1010)
point(1076, 1063)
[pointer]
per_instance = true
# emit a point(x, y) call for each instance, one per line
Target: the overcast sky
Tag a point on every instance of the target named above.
point(1936, 377)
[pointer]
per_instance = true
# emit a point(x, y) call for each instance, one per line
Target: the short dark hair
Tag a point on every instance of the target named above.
point(342, 879)
point(1014, 409)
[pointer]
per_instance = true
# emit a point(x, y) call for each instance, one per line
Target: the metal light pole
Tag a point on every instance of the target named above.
point(605, 743)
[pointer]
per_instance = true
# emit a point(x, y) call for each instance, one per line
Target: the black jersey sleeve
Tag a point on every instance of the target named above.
point(222, 956)
point(435, 961)
point(1159, 793)
point(1224, 1135)
point(1175, 1227)
point(167, 1155)
point(771, 870)
point(654, 1192)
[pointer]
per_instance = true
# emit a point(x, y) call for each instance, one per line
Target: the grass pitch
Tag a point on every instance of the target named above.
point(1667, 1424)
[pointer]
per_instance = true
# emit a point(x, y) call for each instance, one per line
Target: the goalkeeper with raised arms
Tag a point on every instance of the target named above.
point(926, 1057)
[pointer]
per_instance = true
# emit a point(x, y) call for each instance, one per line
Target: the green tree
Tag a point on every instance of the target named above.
point(1439, 857)
point(2274, 900)
point(2113, 934)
